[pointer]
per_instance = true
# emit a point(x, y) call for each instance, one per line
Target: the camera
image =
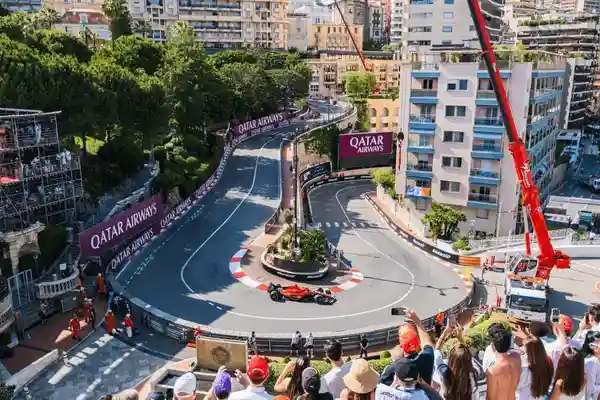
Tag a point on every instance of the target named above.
point(398, 311)
point(554, 315)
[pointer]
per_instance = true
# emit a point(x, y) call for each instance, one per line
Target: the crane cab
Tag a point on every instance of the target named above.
point(526, 296)
point(522, 266)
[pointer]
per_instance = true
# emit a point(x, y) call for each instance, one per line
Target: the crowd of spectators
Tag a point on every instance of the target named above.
point(539, 362)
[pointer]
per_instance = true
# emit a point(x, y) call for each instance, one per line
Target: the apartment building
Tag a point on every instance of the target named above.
point(220, 24)
point(329, 66)
point(79, 6)
point(396, 20)
point(334, 37)
point(376, 28)
point(455, 149)
point(317, 14)
point(576, 36)
point(445, 23)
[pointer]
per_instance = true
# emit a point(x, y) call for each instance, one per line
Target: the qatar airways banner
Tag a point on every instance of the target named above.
point(260, 125)
point(366, 144)
point(100, 238)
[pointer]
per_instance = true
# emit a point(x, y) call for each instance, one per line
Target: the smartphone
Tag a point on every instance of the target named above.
point(554, 315)
point(398, 311)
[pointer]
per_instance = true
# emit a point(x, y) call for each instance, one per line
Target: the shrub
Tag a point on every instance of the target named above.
point(385, 354)
point(476, 337)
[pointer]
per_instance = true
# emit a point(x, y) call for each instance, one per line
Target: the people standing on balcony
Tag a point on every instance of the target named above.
point(75, 327)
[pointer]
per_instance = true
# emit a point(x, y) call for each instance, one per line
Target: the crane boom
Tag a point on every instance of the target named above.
point(363, 60)
point(548, 257)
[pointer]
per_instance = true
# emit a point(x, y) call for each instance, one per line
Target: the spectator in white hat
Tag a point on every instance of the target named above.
point(185, 387)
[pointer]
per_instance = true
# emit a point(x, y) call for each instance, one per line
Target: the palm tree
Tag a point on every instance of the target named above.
point(45, 18)
point(143, 28)
point(181, 32)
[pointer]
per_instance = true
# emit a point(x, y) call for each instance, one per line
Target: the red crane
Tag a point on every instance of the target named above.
point(361, 55)
point(548, 257)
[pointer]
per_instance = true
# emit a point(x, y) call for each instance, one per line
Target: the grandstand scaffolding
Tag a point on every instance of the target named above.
point(39, 182)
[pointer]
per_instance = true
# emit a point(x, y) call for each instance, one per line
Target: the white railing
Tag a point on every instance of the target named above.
point(48, 290)
point(7, 315)
point(508, 241)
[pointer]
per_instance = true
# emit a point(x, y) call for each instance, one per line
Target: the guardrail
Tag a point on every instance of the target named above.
point(272, 221)
point(508, 241)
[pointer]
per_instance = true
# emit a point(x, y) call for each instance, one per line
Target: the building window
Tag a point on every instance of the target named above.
point(450, 186)
point(457, 84)
point(448, 1)
point(427, 84)
point(452, 136)
point(482, 213)
point(452, 162)
point(446, 29)
point(456, 111)
point(446, 42)
point(448, 15)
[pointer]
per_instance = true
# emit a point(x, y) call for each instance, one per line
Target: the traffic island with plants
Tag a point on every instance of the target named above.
point(307, 259)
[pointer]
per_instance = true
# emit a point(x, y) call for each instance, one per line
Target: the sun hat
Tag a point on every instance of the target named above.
point(361, 378)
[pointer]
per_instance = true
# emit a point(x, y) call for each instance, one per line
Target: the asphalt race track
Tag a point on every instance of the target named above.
point(395, 272)
point(186, 272)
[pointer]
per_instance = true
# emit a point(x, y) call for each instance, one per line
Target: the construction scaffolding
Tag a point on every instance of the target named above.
point(39, 182)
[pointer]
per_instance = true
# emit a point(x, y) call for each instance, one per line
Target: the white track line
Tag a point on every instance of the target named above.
point(182, 271)
point(412, 276)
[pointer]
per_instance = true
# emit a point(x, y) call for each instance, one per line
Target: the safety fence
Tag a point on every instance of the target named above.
point(349, 113)
point(513, 240)
point(277, 343)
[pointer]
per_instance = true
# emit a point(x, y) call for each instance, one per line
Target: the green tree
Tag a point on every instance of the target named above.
point(359, 85)
point(323, 142)
point(386, 178)
point(391, 47)
point(313, 246)
point(143, 28)
point(44, 19)
point(133, 53)
point(223, 58)
point(442, 221)
point(120, 19)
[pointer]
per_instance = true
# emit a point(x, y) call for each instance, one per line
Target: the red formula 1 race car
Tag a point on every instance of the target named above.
point(299, 293)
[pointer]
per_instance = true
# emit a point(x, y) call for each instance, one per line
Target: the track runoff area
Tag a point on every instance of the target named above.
point(189, 263)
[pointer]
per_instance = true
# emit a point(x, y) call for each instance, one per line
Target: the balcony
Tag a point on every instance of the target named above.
point(422, 96)
point(425, 70)
point(416, 146)
point(51, 289)
point(419, 171)
point(484, 177)
point(487, 151)
point(423, 121)
point(486, 98)
point(482, 201)
point(493, 125)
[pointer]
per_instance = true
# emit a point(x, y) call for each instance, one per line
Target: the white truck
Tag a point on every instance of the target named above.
point(526, 297)
point(592, 182)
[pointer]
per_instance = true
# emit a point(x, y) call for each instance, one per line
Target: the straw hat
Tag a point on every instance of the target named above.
point(361, 379)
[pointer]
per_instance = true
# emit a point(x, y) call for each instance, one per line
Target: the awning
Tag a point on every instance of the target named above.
point(421, 131)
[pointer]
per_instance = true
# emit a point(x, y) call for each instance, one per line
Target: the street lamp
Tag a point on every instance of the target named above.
point(296, 187)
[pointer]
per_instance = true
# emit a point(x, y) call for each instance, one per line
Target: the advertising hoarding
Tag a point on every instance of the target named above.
point(315, 171)
point(366, 144)
point(264, 124)
point(102, 237)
